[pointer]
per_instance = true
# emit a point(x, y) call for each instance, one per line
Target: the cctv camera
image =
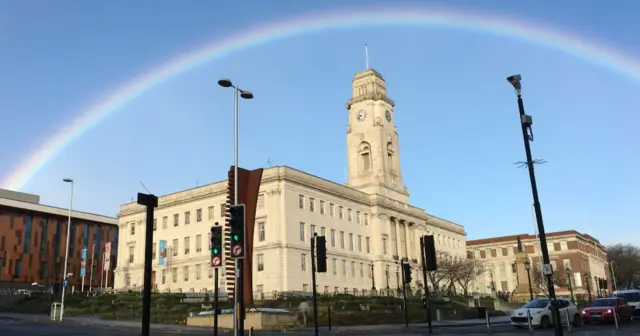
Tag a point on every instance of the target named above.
point(514, 78)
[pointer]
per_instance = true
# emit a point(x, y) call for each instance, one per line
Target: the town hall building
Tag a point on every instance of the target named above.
point(369, 223)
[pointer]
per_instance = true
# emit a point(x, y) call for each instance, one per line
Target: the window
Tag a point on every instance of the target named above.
point(187, 245)
point(333, 238)
point(384, 244)
point(305, 287)
point(344, 268)
point(163, 276)
point(198, 271)
point(223, 209)
point(132, 251)
point(165, 220)
point(334, 266)
point(351, 242)
point(349, 217)
point(153, 251)
point(563, 245)
point(322, 207)
point(342, 239)
point(155, 224)
point(303, 262)
point(210, 212)
point(176, 218)
point(186, 273)
point(261, 233)
point(174, 275)
point(366, 219)
point(301, 201)
point(358, 217)
point(367, 244)
point(198, 215)
point(199, 243)
point(359, 243)
point(175, 247)
point(361, 270)
point(312, 230)
point(323, 231)
point(302, 235)
point(340, 212)
point(312, 204)
point(133, 228)
point(353, 269)
point(514, 268)
point(260, 258)
point(187, 217)
point(331, 210)
point(260, 201)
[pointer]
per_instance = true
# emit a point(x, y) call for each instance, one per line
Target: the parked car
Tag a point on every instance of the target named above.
point(603, 310)
point(631, 296)
point(539, 311)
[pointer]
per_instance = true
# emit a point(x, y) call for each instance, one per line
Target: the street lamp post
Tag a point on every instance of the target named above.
point(568, 271)
point(527, 266)
point(525, 123)
point(587, 280)
point(386, 273)
point(398, 278)
point(613, 275)
point(373, 278)
point(238, 325)
point(598, 289)
point(66, 253)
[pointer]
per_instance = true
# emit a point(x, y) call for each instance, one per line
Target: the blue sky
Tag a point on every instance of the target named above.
point(456, 114)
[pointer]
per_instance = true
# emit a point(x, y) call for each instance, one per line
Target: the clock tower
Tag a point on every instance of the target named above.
point(372, 139)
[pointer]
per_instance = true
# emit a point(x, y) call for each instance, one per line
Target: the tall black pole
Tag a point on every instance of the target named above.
point(313, 284)
point(404, 297)
point(525, 124)
point(216, 290)
point(373, 279)
point(427, 295)
point(587, 280)
point(241, 313)
point(570, 286)
point(150, 201)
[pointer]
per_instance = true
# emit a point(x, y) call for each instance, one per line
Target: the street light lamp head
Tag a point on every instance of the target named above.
point(568, 270)
point(515, 81)
point(527, 265)
point(246, 94)
point(225, 82)
point(68, 180)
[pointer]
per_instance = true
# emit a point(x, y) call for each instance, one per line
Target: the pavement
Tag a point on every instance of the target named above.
point(40, 325)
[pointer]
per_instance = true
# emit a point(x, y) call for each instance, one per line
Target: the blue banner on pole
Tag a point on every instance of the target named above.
point(83, 263)
point(162, 253)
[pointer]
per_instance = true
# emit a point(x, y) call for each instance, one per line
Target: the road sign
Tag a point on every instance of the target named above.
point(237, 250)
point(547, 269)
point(216, 261)
point(65, 284)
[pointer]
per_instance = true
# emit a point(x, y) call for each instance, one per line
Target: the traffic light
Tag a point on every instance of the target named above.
point(321, 254)
point(430, 253)
point(237, 223)
point(216, 246)
point(406, 270)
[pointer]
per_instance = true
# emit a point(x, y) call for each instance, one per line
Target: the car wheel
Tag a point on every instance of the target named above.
point(577, 320)
point(545, 322)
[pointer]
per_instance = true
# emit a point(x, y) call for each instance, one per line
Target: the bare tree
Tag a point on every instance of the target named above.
point(451, 270)
point(626, 264)
point(468, 271)
point(559, 280)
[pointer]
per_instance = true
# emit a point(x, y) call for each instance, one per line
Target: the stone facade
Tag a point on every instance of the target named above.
point(369, 223)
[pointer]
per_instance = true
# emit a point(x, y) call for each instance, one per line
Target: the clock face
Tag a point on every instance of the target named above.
point(387, 114)
point(362, 114)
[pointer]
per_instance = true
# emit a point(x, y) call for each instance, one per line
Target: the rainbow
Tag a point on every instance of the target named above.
point(92, 115)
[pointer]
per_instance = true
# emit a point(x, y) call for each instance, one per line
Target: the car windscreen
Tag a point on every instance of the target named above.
point(629, 297)
point(537, 303)
point(604, 303)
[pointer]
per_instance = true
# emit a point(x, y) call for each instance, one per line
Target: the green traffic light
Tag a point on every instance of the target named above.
point(215, 251)
point(236, 238)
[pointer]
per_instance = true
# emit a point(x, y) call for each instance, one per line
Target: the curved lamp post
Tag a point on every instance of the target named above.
point(527, 266)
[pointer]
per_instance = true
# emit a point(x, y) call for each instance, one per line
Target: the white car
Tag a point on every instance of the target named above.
point(631, 296)
point(540, 312)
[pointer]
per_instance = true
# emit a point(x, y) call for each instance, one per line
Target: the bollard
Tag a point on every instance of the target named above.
point(251, 331)
point(329, 316)
point(438, 315)
point(568, 320)
point(615, 318)
point(486, 314)
point(529, 320)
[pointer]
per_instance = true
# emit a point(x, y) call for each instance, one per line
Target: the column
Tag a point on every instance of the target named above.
point(397, 233)
point(408, 241)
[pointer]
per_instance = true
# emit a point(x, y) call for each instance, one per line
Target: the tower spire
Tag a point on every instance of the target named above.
point(366, 55)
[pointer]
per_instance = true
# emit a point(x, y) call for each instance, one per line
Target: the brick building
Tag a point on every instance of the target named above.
point(582, 254)
point(33, 241)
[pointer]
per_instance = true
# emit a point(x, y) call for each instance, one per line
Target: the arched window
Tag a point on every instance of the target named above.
point(390, 153)
point(364, 153)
